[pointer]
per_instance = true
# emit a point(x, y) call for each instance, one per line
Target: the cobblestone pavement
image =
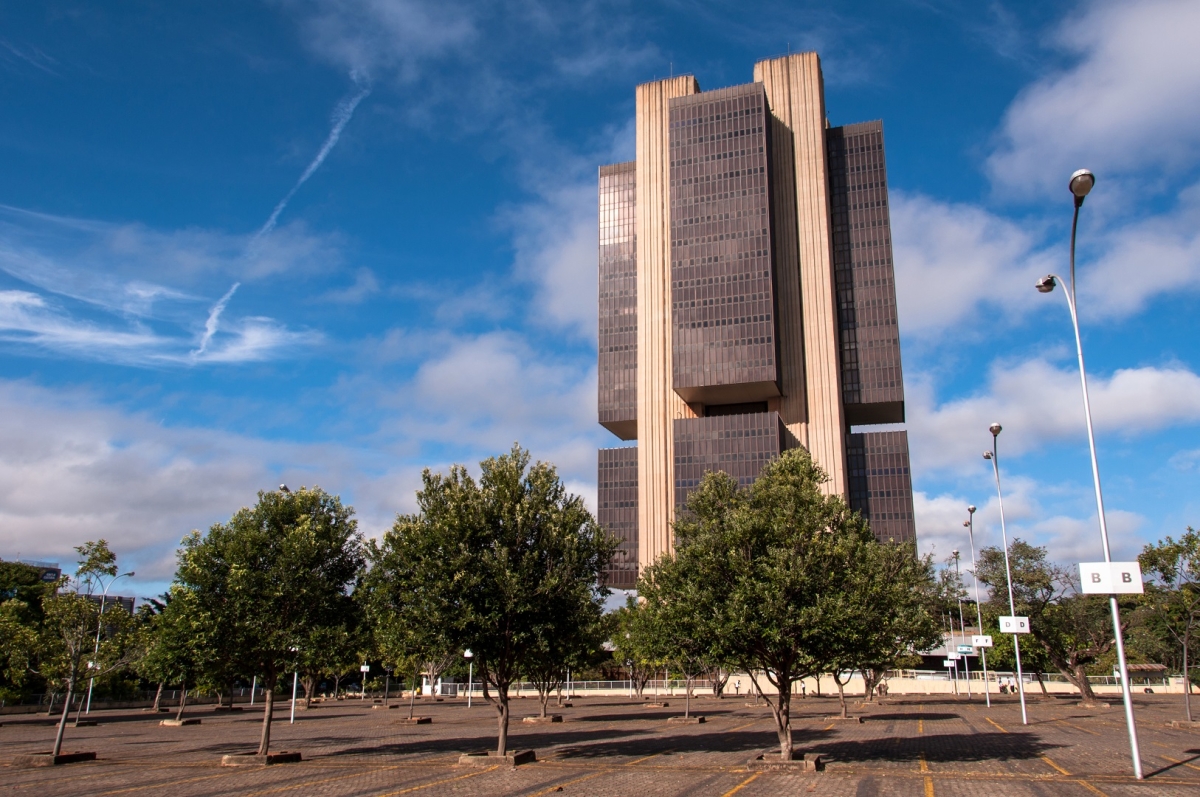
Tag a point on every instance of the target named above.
point(608, 746)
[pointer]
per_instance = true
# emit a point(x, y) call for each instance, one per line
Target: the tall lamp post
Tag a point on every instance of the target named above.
point(99, 627)
point(970, 524)
point(470, 657)
point(1081, 184)
point(962, 626)
point(994, 456)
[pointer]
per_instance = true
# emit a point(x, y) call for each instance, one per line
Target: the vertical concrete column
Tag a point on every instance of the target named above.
point(658, 404)
point(795, 90)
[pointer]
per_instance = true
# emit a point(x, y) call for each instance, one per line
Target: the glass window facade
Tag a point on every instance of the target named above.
point(617, 511)
point(872, 382)
point(617, 375)
point(724, 347)
point(739, 445)
point(881, 485)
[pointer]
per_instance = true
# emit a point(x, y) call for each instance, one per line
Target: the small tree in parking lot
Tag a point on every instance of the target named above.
point(270, 577)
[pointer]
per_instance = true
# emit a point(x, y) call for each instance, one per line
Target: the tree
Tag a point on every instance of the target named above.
point(329, 650)
point(894, 611)
point(559, 647)
point(500, 564)
point(1074, 630)
point(18, 642)
point(1173, 596)
point(773, 564)
point(178, 647)
point(271, 576)
point(66, 647)
point(632, 648)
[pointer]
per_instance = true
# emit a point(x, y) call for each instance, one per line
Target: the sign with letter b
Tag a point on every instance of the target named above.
point(1014, 625)
point(1110, 578)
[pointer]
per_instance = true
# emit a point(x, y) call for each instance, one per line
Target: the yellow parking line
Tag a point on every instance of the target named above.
point(1078, 728)
point(747, 725)
point(928, 787)
point(309, 783)
point(644, 758)
point(438, 782)
point(559, 786)
point(920, 726)
point(163, 785)
point(1061, 771)
point(1090, 787)
point(742, 785)
point(998, 727)
point(1177, 761)
point(924, 763)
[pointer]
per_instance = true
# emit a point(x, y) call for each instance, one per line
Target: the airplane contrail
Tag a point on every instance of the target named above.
point(214, 319)
point(341, 117)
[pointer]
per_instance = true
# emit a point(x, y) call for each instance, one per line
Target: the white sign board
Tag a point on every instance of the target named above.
point(1014, 625)
point(952, 656)
point(947, 663)
point(365, 668)
point(1110, 578)
point(966, 650)
point(982, 641)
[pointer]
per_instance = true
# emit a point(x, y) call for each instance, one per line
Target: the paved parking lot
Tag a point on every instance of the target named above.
point(607, 746)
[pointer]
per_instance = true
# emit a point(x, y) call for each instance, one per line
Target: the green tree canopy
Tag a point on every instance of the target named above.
point(498, 565)
point(1173, 597)
point(271, 576)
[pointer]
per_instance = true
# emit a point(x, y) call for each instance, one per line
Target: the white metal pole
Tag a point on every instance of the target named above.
point(295, 680)
point(1131, 725)
point(253, 687)
point(1008, 572)
point(962, 626)
point(470, 681)
point(987, 694)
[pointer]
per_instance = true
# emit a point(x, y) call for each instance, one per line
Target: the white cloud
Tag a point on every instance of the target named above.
point(1127, 103)
point(954, 260)
point(365, 285)
point(375, 35)
point(1038, 403)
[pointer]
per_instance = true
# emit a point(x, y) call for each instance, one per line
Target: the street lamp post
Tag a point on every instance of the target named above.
point(1081, 184)
point(994, 456)
point(99, 627)
point(295, 681)
point(970, 524)
point(470, 657)
point(962, 626)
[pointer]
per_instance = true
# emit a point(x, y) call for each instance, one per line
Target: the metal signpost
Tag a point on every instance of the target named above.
point(970, 524)
point(366, 668)
point(470, 657)
point(1080, 185)
point(994, 456)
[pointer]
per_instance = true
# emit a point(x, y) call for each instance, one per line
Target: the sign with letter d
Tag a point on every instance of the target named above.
point(1110, 578)
point(1014, 625)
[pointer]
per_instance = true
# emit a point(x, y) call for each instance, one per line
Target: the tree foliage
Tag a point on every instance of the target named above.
point(1172, 598)
point(270, 577)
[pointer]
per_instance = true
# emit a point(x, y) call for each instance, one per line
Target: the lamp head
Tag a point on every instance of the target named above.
point(987, 454)
point(995, 429)
point(1046, 283)
point(283, 488)
point(971, 509)
point(467, 654)
point(966, 524)
point(1081, 183)
point(954, 553)
point(131, 574)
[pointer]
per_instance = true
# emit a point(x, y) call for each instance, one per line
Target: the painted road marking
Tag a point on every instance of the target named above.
point(742, 785)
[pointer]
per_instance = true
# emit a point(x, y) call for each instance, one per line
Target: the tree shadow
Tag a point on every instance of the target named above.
point(657, 715)
point(948, 748)
point(916, 715)
point(714, 742)
point(465, 744)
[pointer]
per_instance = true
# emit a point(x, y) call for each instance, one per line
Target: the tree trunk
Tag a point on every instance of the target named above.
point(62, 722)
point(687, 697)
point(182, 700)
point(310, 683)
point(1041, 683)
point(158, 696)
point(783, 721)
point(841, 693)
point(264, 743)
point(337, 680)
point(1081, 683)
point(412, 696)
point(502, 720)
point(544, 698)
point(1187, 681)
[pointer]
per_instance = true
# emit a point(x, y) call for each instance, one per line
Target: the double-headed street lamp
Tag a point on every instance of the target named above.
point(99, 627)
point(970, 524)
point(1081, 183)
point(994, 456)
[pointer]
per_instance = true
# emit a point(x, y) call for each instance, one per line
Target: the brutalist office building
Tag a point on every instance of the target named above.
point(747, 305)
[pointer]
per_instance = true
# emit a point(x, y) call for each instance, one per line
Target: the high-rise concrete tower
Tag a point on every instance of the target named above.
point(747, 304)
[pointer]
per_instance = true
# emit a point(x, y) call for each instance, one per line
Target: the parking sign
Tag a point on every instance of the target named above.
point(1014, 625)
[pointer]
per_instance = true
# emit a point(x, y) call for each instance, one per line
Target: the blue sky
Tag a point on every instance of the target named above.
point(336, 241)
